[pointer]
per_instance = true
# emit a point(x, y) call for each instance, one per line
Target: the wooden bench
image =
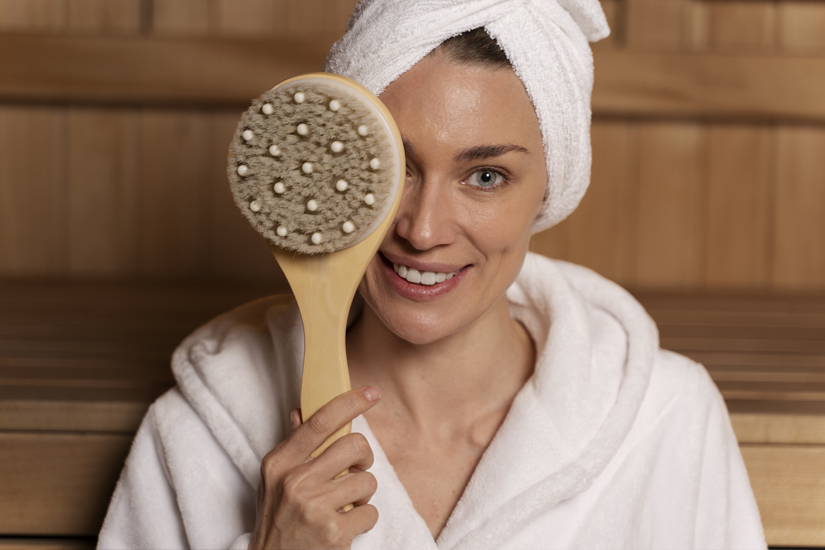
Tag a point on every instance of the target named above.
point(80, 362)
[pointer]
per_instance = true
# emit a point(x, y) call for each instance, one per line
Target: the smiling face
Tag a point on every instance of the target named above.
point(475, 181)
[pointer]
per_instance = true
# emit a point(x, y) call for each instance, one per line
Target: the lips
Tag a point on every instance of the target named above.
point(422, 281)
point(426, 278)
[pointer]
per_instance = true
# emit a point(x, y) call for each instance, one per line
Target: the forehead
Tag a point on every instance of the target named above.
point(451, 104)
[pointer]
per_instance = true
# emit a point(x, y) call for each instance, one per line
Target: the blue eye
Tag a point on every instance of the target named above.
point(486, 178)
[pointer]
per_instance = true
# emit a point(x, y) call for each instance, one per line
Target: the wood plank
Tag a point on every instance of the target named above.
point(745, 26)
point(42, 493)
point(181, 17)
point(32, 191)
point(33, 15)
point(800, 25)
point(800, 208)
point(251, 18)
point(51, 543)
point(236, 250)
point(738, 234)
point(103, 194)
point(779, 428)
point(789, 485)
point(203, 71)
point(307, 17)
point(601, 230)
point(78, 416)
point(174, 196)
point(553, 242)
point(722, 87)
point(151, 70)
point(656, 24)
point(104, 16)
point(670, 207)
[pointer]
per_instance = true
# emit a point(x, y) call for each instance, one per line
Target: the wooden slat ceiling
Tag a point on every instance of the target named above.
point(151, 71)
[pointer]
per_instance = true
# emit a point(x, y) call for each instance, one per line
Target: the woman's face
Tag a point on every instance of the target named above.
point(475, 181)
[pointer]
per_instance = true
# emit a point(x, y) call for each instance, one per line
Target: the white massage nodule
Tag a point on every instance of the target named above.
point(303, 130)
point(275, 151)
point(267, 109)
point(348, 227)
point(299, 97)
point(248, 135)
point(316, 238)
point(369, 199)
point(243, 170)
point(334, 105)
point(307, 167)
point(363, 130)
point(312, 205)
point(281, 231)
point(279, 188)
point(255, 206)
point(336, 146)
point(341, 185)
point(375, 164)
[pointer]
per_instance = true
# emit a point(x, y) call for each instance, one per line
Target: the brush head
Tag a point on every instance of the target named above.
point(314, 164)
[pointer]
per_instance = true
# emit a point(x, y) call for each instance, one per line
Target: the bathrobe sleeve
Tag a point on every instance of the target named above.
point(727, 516)
point(144, 512)
point(179, 489)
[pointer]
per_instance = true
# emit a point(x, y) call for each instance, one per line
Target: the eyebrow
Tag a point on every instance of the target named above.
point(476, 152)
point(486, 151)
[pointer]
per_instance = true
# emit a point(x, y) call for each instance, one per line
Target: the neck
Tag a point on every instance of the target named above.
point(463, 377)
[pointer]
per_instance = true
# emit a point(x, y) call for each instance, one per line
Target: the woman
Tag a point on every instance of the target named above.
point(521, 403)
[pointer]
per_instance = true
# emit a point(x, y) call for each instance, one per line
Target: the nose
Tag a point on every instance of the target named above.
point(425, 216)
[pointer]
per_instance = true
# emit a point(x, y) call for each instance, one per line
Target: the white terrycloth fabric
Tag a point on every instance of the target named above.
point(546, 42)
point(612, 443)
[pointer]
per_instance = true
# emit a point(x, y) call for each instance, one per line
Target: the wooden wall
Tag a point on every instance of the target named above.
point(709, 167)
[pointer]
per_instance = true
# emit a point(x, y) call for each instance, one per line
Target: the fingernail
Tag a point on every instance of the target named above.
point(372, 393)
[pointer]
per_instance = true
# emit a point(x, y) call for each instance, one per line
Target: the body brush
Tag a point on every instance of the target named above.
point(317, 167)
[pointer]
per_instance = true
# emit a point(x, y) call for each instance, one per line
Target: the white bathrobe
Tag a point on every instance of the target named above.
point(612, 443)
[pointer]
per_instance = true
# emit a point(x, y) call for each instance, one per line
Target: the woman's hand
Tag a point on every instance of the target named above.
point(300, 504)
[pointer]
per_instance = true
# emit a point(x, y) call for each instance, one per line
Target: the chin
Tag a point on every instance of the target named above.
point(413, 325)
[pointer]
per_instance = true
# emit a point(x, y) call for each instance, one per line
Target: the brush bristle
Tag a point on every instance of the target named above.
point(292, 149)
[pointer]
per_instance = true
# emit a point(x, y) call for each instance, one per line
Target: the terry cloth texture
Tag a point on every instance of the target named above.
point(612, 443)
point(546, 42)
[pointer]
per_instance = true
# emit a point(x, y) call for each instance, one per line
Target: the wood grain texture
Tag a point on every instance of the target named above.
point(656, 24)
point(800, 208)
point(174, 221)
point(150, 70)
point(36, 497)
point(721, 87)
point(214, 72)
point(670, 207)
point(50, 543)
point(739, 200)
point(800, 429)
point(601, 233)
point(32, 190)
point(120, 17)
point(33, 15)
point(251, 18)
point(237, 251)
point(181, 17)
point(78, 416)
point(789, 485)
point(103, 191)
point(743, 26)
point(554, 242)
point(800, 25)
point(308, 17)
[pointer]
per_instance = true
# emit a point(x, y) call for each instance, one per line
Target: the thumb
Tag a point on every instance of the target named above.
point(296, 418)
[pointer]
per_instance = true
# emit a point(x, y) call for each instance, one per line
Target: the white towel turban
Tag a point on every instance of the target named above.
point(546, 42)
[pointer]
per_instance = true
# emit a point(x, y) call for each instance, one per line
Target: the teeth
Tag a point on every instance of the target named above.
point(427, 278)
